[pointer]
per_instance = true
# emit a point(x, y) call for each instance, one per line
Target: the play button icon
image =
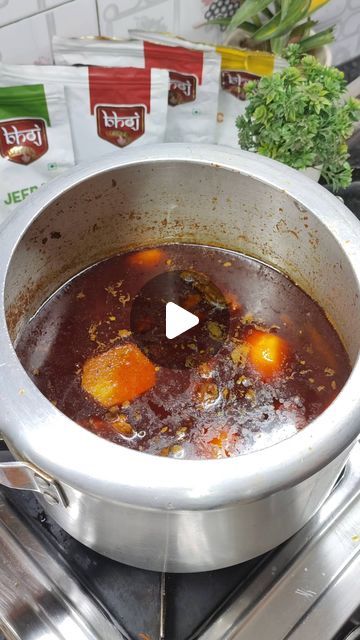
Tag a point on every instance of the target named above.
point(178, 320)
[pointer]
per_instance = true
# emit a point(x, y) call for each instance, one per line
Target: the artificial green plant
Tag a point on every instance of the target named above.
point(273, 24)
point(300, 117)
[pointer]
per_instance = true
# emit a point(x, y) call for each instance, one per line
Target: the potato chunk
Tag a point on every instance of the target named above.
point(148, 258)
point(267, 352)
point(120, 374)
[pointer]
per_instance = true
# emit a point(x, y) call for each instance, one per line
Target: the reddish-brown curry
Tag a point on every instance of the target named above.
point(280, 366)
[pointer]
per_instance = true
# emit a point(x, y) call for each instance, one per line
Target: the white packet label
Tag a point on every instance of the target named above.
point(35, 138)
point(100, 52)
point(108, 107)
point(194, 72)
point(169, 39)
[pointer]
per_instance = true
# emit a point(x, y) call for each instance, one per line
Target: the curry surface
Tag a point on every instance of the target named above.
point(243, 398)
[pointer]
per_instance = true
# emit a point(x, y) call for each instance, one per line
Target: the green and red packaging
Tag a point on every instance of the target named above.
point(109, 108)
point(35, 139)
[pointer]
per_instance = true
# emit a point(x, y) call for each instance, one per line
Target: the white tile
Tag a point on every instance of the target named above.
point(191, 15)
point(177, 16)
point(13, 10)
point(29, 41)
point(25, 42)
point(77, 19)
point(346, 17)
point(117, 16)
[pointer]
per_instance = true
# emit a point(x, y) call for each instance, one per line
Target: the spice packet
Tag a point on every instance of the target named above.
point(238, 67)
point(194, 70)
point(35, 138)
point(193, 75)
point(108, 107)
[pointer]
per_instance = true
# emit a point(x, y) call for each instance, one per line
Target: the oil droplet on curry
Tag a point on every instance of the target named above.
point(280, 366)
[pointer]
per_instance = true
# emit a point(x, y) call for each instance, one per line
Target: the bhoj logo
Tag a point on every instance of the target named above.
point(23, 140)
point(120, 125)
point(235, 82)
point(182, 88)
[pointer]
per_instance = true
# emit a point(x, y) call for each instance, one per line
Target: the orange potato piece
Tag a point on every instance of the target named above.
point(267, 352)
point(147, 258)
point(118, 375)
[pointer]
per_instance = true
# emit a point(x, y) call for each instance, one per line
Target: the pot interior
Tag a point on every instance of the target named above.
point(156, 202)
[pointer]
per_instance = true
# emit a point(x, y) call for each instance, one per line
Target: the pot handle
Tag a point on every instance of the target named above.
point(25, 476)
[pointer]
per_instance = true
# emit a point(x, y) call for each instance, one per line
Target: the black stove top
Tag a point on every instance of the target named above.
point(131, 595)
point(307, 587)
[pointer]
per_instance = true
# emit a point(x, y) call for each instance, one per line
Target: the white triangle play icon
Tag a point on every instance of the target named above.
point(178, 320)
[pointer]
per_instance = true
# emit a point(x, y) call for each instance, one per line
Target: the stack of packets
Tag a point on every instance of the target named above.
point(106, 94)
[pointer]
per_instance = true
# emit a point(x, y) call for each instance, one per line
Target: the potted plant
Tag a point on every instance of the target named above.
point(270, 25)
point(300, 117)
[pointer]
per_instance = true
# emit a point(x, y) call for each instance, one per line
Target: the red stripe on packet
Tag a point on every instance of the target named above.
point(119, 86)
point(179, 59)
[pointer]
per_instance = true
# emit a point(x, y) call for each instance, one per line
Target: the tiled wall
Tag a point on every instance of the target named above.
point(26, 26)
point(181, 16)
point(176, 16)
point(27, 40)
point(345, 14)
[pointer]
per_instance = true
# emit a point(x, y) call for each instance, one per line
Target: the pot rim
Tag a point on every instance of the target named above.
point(36, 430)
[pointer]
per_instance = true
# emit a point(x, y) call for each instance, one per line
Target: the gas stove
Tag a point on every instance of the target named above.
point(54, 588)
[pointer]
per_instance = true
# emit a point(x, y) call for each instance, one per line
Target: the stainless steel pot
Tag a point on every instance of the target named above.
point(152, 512)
